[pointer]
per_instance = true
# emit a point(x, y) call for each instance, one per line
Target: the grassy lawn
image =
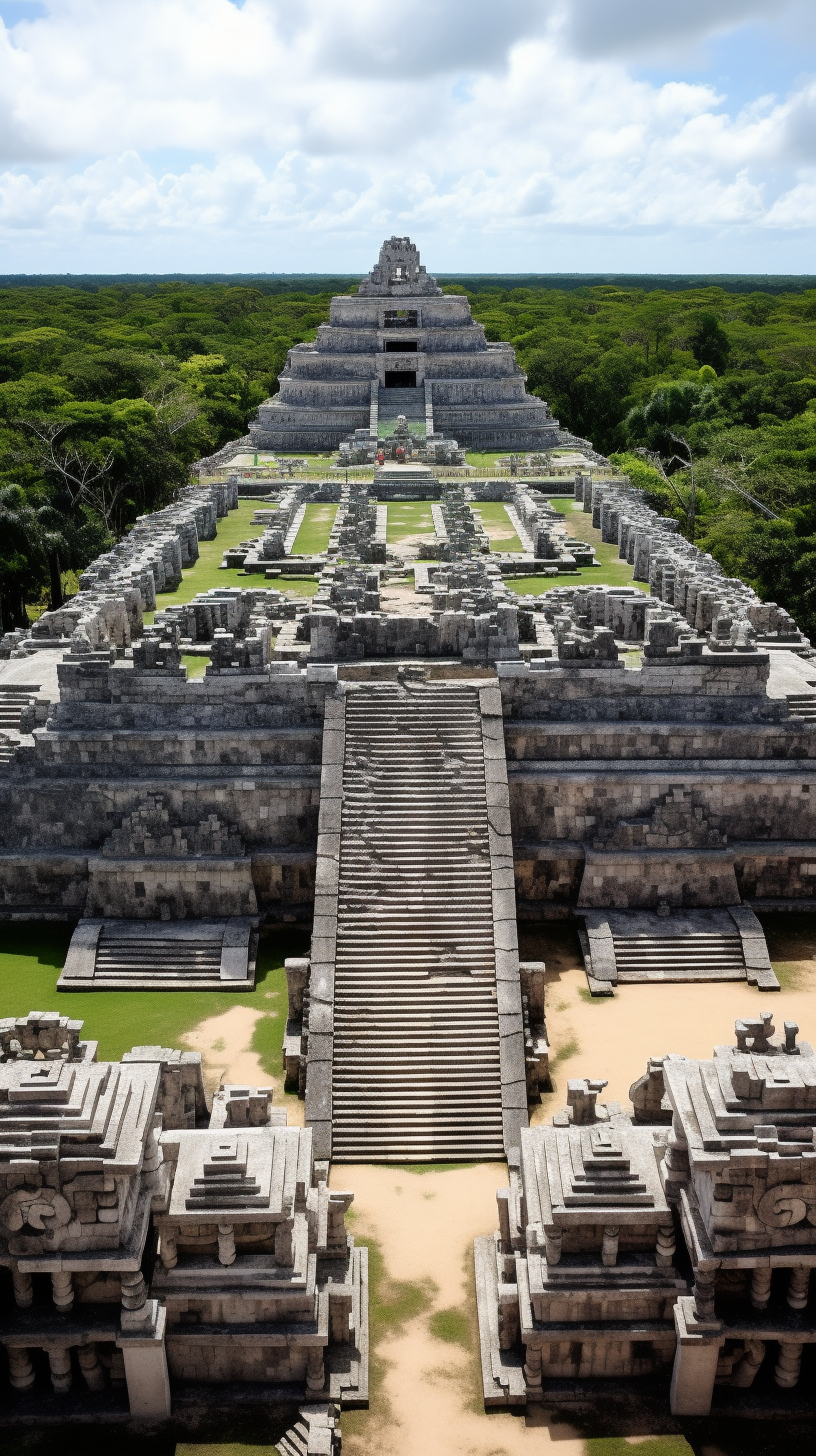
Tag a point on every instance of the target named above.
point(33, 955)
point(195, 663)
point(315, 530)
point(610, 571)
point(488, 460)
point(387, 427)
point(207, 573)
point(314, 464)
point(500, 530)
point(409, 518)
point(296, 586)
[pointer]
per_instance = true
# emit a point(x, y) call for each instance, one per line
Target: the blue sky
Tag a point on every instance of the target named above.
point(539, 135)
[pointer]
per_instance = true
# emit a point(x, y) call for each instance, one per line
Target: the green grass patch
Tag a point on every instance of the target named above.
point(196, 664)
point(427, 1167)
point(655, 1446)
point(497, 525)
point(586, 995)
point(486, 459)
point(409, 518)
point(315, 530)
point(296, 586)
point(33, 955)
point(207, 573)
point(415, 427)
point(570, 1048)
point(393, 1302)
point(452, 1326)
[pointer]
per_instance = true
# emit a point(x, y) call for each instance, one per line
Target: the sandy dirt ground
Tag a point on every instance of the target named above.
point(613, 1036)
point(225, 1043)
point(403, 601)
point(428, 1401)
point(425, 1390)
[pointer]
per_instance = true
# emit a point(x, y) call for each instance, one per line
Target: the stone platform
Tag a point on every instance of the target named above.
point(161, 955)
point(623, 947)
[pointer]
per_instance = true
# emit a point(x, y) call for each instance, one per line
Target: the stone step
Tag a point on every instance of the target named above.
point(416, 1047)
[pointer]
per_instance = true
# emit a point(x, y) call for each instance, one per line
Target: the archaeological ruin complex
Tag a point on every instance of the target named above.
point(411, 761)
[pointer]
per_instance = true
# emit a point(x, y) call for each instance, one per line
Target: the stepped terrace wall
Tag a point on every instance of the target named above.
point(685, 785)
point(208, 789)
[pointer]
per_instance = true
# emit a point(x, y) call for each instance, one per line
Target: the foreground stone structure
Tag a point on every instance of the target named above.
point(581, 1281)
point(256, 1281)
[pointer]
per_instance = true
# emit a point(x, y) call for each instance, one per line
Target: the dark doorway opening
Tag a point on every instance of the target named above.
point(400, 346)
point(400, 379)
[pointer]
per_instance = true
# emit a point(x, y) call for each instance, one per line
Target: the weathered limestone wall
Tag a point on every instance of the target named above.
point(146, 795)
point(682, 785)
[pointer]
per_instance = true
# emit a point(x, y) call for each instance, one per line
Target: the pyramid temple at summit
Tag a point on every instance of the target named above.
point(400, 345)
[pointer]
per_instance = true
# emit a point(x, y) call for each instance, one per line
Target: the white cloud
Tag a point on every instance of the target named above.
point(319, 122)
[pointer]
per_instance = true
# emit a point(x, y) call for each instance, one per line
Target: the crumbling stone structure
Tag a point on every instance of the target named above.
point(257, 1280)
point(712, 1167)
point(403, 445)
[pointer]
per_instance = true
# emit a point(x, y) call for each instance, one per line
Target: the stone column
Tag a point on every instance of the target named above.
point(609, 1252)
point(798, 1287)
point(89, 1364)
point(665, 1247)
point(532, 1372)
point(786, 1373)
point(62, 1288)
point(60, 1362)
point(134, 1290)
point(760, 1286)
point(743, 1376)
point(21, 1370)
point(552, 1245)
point(704, 1293)
point(315, 1372)
point(226, 1244)
point(141, 1340)
point(695, 1366)
point(169, 1250)
point(23, 1289)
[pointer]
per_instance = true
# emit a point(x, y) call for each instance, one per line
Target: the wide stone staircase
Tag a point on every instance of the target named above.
point(416, 1075)
point(409, 402)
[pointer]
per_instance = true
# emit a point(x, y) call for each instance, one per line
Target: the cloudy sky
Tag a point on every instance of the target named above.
point(503, 135)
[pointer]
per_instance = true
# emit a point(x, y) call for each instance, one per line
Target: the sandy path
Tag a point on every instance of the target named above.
point(225, 1043)
point(430, 1399)
point(614, 1036)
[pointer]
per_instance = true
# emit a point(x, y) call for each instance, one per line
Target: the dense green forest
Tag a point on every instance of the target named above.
point(705, 395)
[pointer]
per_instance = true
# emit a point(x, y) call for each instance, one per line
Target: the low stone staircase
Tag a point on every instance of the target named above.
point(690, 958)
point(316, 1432)
point(416, 1074)
point(14, 698)
point(124, 955)
point(408, 402)
point(802, 705)
point(150, 955)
